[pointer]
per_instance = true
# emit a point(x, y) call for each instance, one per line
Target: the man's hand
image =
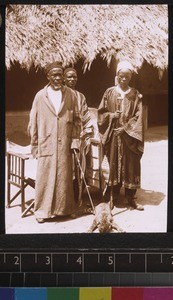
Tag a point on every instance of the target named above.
point(75, 144)
point(77, 150)
point(118, 131)
point(34, 151)
point(117, 114)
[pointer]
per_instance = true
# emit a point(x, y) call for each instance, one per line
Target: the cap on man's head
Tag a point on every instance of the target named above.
point(69, 70)
point(55, 64)
point(124, 65)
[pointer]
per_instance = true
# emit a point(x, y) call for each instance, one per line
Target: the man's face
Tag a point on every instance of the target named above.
point(70, 79)
point(124, 77)
point(55, 77)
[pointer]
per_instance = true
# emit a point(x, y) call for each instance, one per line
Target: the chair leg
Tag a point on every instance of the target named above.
point(8, 194)
point(14, 197)
point(80, 191)
point(22, 197)
point(8, 184)
point(28, 209)
point(23, 187)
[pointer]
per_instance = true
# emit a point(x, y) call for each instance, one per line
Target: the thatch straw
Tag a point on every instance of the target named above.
point(37, 34)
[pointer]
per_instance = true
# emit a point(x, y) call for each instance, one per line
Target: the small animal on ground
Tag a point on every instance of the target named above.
point(103, 219)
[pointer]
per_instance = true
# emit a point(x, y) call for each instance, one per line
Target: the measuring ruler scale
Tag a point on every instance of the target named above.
point(85, 268)
point(86, 262)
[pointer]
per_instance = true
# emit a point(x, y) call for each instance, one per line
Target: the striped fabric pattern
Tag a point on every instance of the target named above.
point(87, 130)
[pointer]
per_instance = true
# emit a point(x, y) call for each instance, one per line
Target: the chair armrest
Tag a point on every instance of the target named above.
point(23, 156)
point(23, 152)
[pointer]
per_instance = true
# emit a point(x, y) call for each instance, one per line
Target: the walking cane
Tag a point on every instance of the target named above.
point(83, 176)
point(114, 149)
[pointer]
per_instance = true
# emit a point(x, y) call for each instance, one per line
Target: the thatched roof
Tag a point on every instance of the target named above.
point(37, 34)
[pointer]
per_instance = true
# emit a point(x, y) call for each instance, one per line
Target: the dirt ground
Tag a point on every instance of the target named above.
point(153, 195)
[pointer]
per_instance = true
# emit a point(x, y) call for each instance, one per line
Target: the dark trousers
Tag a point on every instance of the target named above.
point(130, 193)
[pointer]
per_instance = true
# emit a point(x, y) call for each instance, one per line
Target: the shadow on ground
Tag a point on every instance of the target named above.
point(147, 197)
point(144, 197)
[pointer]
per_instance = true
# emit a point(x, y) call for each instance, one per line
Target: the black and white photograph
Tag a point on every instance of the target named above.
point(86, 89)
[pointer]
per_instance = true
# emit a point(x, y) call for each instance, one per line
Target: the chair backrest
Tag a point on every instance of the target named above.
point(16, 165)
point(16, 168)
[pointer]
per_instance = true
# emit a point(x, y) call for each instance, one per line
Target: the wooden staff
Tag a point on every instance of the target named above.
point(113, 151)
point(83, 176)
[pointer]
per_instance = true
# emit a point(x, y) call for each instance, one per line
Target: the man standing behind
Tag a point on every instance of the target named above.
point(87, 130)
point(70, 79)
point(54, 128)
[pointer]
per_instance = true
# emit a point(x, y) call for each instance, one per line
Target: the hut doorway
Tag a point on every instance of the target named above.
point(95, 81)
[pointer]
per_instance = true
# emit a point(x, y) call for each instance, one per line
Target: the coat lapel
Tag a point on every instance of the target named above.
point(47, 101)
point(63, 90)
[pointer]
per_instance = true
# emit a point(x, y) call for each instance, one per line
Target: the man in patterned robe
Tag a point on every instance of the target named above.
point(120, 122)
point(86, 130)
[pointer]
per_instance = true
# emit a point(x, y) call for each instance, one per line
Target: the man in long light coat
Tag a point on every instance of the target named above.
point(54, 128)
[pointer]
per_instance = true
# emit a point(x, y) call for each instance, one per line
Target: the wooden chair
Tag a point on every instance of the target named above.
point(16, 176)
point(16, 163)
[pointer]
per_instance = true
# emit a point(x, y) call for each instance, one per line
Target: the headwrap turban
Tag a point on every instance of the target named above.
point(125, 65)
point(55, 64)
